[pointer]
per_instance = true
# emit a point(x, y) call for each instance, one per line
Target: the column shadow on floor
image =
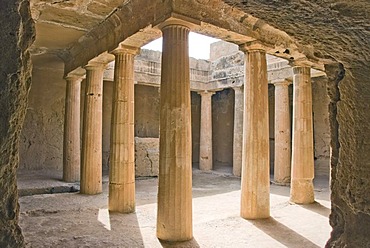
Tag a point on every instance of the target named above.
point(317, 208)
point(184, 244)
point(283, 234)
point(81, 228)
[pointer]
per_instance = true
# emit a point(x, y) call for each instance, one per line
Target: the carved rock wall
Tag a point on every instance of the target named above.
point(41, 144)
point(15, 79)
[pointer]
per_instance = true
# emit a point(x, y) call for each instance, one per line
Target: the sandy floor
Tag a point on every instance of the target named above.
point(74, 220)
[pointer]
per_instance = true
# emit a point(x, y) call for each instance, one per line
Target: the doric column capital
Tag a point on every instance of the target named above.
point(74, 78)
point(179, 20)
point(94, 65)
point(285, 82)
point(124, 49)
point(301, 62)
point(301, 70)
point(206, 93)
point(239, 88)
point(75, 75)
point(99, 62)
point(252, 46)
point(175, 22)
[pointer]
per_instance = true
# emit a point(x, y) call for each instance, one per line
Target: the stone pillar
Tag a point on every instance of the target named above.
point(122, 143)
point(238, 131)
point(71, 140)
point(205, 148)
point(91, 152)
point(282, 134)
point(255, 186)
point(302, 191)
point(174, 220)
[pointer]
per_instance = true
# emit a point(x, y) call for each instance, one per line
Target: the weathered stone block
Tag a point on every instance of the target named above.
point(146, 157)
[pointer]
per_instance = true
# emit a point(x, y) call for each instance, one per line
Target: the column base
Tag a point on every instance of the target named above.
point(205, 165)
point(173, 235)
point(301, 191)
point(90, 192)
point(264, 214)
point(122, 198)
point(282, 181)
point(70, 179)
point(237, 171)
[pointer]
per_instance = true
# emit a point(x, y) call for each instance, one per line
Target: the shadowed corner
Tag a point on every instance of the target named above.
point(283, 234)
point(317, 208)
point(183, 244)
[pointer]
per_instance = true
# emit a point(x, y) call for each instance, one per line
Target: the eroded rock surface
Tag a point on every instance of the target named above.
point(146, 157)
point(15, 37)
point(337, 31)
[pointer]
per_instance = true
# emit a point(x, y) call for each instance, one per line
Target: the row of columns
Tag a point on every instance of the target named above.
point(301, 174)
point(174, 214)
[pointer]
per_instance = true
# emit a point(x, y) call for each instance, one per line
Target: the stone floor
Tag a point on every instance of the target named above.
point(73, 220)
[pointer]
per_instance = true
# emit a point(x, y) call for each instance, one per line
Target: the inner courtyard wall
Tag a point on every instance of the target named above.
point(222, 129)
point(41, 142)
point(195, 127)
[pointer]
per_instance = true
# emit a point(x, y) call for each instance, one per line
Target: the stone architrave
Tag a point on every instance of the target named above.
point(71, 140)
point(302, 191)
point(122, 143)
point(205, 148)
point(91, 152)
point(174, 216)
point(255, 185)
point(282, 133)
point(238, 131)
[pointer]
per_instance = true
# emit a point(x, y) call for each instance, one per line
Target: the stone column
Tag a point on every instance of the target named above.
point(91, 152)
point(255, 186)
point(71, 140)
point(282, 134)
point(238, 131)
point(205, 148)
point(174, 220)
point(302, 191)
point(122, 143)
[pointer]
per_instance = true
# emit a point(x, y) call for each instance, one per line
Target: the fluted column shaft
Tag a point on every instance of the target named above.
point(238, 131)
point(255, 187)
point(205, 148)
point(122, 143)
point(282, 134)
point(91, 154)
point(302, 191)
point(71, 141)
point(174, 220)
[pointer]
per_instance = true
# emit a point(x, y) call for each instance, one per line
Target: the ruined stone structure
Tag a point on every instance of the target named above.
point(328, 36)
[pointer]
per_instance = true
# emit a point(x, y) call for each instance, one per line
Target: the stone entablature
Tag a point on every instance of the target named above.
point(213, 75)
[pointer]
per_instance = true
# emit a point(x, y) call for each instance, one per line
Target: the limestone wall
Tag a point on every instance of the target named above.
point(223, 128)
point(220, 49)
point(195, 127)
point(320, 106)
point(146, 157)
point(146, 111)
point(41, 144)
